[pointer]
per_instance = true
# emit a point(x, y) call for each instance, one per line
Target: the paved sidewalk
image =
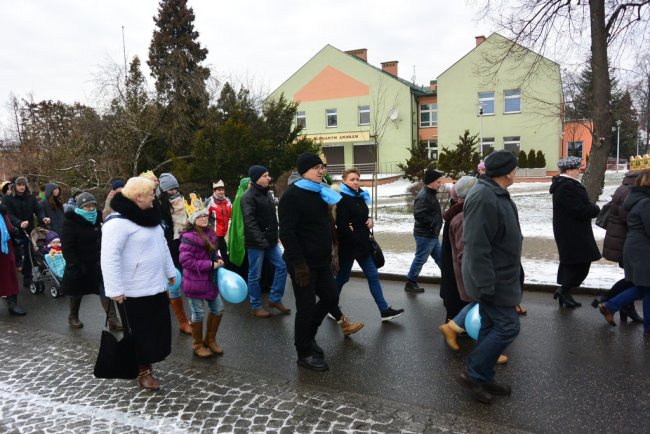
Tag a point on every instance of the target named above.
point(46, 385)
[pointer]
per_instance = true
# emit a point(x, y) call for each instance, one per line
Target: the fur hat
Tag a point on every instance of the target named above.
point(22, 181)
point(219, 184)
point(500, 163)
point(255, 172)
point(464, 185)
point(84, 198)
point(569, 163)
point(196, 214)
point(431, 175)
point(306, 161)
point(167, 182)
point(6, 185)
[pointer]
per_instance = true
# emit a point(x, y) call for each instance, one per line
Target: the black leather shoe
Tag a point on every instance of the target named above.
point(413, 287)
point(313, 362)
point(479, 392)
point(629, 311)
point(16, 311)
point(498, 389)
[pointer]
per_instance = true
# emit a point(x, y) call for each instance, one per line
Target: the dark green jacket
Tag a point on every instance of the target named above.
point(493, 240)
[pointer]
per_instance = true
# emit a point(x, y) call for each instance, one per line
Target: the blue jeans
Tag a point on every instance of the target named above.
point(196, 306)
point(255, 260)
point(424, 247)
point(629, 296)
point(499, 327)
point(372, 275)
point(460, 318)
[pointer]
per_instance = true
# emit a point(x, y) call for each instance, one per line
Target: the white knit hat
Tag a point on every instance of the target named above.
point(198, 213)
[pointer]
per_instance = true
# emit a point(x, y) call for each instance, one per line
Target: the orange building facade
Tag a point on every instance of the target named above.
point(576, 140)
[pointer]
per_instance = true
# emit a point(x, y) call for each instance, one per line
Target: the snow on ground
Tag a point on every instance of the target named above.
point(535, 214)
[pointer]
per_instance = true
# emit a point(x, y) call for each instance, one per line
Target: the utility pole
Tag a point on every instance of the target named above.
point(124, 54)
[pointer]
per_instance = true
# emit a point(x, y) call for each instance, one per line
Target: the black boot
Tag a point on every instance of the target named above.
point(629, 311)
point(567, 295)
point(564, 298)
point(73, 318)
point(12, 304)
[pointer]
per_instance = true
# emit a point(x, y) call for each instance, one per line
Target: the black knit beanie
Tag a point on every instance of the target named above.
point(500, 163)
point(255, 172)
point(431, 175)
point(306, 161)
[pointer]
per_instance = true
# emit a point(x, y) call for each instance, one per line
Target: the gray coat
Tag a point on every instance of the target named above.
point(493, 241)
point(636, 251)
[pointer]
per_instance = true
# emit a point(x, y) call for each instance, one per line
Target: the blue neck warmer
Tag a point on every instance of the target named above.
point(327, 194)
point(4, 233)
point(364, 194)
point(90, 216)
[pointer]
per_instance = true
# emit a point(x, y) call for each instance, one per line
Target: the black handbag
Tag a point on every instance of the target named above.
point(375, 252)
point(603, 216)
point(116, 359)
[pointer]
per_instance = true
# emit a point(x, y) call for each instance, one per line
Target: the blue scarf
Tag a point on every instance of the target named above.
point(4, 233)
point(91, 216)
point(327, 194)
point(364, 194)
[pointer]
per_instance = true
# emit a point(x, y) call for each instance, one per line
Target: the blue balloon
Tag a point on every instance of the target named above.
point(473, 322)
point(232, 287)
point(176, 284)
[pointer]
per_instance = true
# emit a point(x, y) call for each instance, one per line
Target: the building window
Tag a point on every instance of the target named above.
point(486, 103)
point(487, 145)
point(512, 144)
point(428, 115)
point(432, 149)
point(364, 115)
point(301, 120)
point(512, 101)
point(574, 149)
point(332, 118)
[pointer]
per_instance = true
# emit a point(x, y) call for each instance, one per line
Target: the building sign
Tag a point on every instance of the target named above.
point(352, 136)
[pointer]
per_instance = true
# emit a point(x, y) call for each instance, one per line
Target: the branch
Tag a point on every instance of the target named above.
point(164, 163)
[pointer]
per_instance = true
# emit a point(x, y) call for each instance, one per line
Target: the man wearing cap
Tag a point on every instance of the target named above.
point(426, 229)
point(220, 210)
point(261, 240)
point(306, 235)
point(21, 209)
point(491, 271)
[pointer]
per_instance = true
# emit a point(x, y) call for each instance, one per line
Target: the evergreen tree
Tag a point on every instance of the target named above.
point(463, 159)
point(624, 111)
point(522, 161)
point(418, 162)
point(175, 57)
point(540, 160)
point(532, 160)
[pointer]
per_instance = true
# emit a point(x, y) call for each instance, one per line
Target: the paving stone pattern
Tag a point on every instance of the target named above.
point(47, 386)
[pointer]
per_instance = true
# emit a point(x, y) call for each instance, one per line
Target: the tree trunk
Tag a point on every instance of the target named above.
point(594, 177)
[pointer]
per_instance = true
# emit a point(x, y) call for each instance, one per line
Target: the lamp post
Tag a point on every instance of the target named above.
point(480, 143)
point(618, 141)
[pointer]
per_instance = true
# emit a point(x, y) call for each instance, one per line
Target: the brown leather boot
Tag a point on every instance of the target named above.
point(450, 331)
point(198, 347)
point(210, 340)
point(73, 318)
point(146, 380)
point(348, 327)
point(179, 311)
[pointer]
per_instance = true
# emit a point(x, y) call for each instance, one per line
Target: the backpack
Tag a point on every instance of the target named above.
point(603, 215)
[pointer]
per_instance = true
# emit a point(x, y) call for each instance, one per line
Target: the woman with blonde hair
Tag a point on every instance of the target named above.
point(137, 267)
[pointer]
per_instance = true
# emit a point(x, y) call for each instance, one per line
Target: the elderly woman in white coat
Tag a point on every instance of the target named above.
point(137, 267)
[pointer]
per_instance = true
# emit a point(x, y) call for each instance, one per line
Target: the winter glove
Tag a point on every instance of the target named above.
point(301, 273)
point(486, 299)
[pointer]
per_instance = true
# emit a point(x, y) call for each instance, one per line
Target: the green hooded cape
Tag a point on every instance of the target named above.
point(236, 248)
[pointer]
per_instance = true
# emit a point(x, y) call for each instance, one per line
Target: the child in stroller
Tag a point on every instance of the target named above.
point(47, 260)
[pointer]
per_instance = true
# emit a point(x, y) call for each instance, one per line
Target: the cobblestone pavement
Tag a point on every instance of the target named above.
point(46, 385)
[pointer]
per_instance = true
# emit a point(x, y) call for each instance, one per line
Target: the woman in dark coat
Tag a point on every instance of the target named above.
point(53, 207)
point(9, 281)
point(81, 245)
point(448, 284)
point(572, 214)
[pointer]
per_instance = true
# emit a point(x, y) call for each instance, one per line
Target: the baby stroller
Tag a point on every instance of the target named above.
point(47, 270)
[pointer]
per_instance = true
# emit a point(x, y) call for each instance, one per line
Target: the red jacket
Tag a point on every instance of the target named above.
point(220, 212)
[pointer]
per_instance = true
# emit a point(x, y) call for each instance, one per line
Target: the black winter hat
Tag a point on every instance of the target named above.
point(431, 175)
point(85, 198)
point(500, 163)
point(306, 161)
point(255, 172)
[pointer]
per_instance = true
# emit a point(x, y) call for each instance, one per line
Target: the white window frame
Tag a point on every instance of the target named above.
point(483, 100)
point(486, 142)
point(364, 109)
point(511, 97)
point(431, 110)
point(432, 149)
point(511, 140)
point(301, 116)
point(331, 113)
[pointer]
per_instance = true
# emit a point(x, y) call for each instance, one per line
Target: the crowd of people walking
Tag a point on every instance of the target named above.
point(131, 253)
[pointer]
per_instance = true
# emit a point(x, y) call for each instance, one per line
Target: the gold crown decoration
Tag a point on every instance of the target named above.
point(193, 204)
point(640, 162)
point(148, 174)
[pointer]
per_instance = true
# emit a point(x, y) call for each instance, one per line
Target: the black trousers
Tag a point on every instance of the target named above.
point(223, 250)
point(309, 311)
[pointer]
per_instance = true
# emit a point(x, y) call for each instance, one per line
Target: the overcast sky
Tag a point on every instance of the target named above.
point(54, 49)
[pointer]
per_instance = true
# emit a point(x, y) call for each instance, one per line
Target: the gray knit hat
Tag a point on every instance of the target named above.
point(167, 181)
point(85, 198)
point(464, 185)
point(569, 163)
point(196, 214)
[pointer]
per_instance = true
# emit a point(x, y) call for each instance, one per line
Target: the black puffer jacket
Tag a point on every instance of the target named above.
point(572, 215)
point(81, 243)
point(353, 242)
point(23, 207)
point(617, 221)
point(260, 219)
point(427, 213)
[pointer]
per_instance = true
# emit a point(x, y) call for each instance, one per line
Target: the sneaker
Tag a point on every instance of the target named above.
point(391, 313)
point(413, 287)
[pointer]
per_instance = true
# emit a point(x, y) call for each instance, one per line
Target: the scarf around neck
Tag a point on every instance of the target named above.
point(327, 194)
point(360, 193)
point(89, 216)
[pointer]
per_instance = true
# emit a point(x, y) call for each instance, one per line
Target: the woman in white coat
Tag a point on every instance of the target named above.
point(137, 267)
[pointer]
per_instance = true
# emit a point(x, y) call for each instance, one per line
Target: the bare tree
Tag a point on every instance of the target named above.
point(558, 26)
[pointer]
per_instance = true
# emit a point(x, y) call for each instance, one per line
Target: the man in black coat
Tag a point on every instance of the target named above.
point(261, 240)
point(21, 208)
point(426, 229)
point(572, 214)
point(306, 235)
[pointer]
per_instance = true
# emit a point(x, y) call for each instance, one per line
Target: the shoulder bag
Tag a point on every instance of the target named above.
point(116, 359)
